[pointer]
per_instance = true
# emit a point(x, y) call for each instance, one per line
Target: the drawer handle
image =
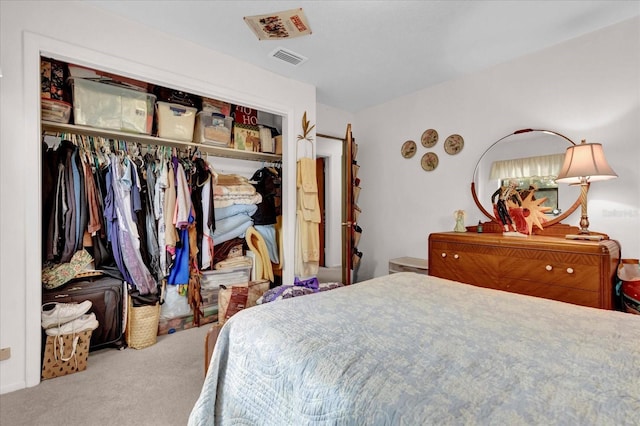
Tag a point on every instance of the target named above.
point(455, 256)
point(444, 255)
point(569, 270)
point(548, 267)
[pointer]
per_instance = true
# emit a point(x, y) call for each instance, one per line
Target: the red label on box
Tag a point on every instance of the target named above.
point(244, 115)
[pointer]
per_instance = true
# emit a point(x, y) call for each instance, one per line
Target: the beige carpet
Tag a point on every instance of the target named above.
point(157, 385)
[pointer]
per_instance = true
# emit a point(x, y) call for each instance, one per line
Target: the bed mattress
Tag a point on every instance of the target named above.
point(408, 349)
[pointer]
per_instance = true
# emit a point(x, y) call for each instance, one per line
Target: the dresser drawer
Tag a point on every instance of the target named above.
point(554, 292)
point(576, 273)
point(464, 263)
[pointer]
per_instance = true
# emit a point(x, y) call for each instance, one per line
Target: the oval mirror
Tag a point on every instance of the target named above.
point(528, 158)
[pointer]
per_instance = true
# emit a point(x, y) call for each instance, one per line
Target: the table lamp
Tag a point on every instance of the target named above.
point(583, 164)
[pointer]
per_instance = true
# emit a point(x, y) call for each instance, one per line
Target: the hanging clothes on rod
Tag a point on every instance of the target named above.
point(123, 198)
point(104, 194)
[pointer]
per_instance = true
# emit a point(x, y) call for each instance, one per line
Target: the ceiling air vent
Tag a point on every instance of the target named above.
point(288, 56)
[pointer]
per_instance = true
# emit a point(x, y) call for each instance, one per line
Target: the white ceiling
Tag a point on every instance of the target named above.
point(364, 53)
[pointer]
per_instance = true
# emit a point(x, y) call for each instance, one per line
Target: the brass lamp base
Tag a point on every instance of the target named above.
point(583, 232)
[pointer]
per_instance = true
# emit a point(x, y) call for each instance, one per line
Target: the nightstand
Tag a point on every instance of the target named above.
point(408, 264)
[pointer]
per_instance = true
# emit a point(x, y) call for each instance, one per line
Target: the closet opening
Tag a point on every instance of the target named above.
point(226, 162)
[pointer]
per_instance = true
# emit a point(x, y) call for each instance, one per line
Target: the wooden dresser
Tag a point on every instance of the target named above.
point(579, 272)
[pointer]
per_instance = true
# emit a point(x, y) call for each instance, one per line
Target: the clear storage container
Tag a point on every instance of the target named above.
point(175, 121)
point(113, 107)
point(213, 129)
point(226, 277)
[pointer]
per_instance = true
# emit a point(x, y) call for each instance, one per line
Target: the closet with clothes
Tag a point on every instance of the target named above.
point(168, 220)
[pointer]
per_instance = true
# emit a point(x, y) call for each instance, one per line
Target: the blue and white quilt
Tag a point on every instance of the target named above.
point(410, 349)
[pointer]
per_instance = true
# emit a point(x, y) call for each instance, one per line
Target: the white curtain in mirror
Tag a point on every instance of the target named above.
point(544, 165)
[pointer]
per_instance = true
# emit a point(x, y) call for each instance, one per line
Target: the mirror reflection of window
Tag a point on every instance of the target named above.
point(526, 153)
point(537, 172)
point(546, 187)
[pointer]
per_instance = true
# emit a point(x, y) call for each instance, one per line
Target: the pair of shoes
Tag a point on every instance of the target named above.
point(355, 259)
point(63, 313)
point(82, 323)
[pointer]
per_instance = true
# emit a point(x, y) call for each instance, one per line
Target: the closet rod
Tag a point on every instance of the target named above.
point(154, 140)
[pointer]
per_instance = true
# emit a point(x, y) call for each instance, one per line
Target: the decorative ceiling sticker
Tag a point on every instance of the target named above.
point(279, 25)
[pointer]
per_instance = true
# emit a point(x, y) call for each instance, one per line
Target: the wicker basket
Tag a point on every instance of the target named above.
point(142, 325)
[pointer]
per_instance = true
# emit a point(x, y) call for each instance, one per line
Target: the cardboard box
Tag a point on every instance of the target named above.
point(266, 140)
point(278, 143)
point(77, 71)
point(216, 106)
point(245, 115)
point(246, 137)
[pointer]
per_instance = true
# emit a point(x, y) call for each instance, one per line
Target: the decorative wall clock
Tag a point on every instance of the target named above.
point(429, 161)
point(429, 138)
point(408, 149)
point(453, 144)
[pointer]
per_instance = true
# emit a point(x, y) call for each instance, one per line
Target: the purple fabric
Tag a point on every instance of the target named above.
point(311, 283)
point(174, 164)
point(113, 230)
point(284, 292)
point(300, 288)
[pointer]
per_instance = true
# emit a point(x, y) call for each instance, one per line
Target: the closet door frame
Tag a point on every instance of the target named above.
point(37, 45)
point(346, 205)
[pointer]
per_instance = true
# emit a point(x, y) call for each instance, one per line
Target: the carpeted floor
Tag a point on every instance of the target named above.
point(156, 386)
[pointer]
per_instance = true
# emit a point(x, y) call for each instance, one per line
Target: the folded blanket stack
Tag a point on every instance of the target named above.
point(234, 189)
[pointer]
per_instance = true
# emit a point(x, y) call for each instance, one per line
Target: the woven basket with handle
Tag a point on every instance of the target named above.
point(142, 325)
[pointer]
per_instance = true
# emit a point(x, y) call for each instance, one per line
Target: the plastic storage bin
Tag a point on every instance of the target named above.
point(56, 111)
point(112, 107)
point(213, 129)
point(227, 277)
point(176, 121)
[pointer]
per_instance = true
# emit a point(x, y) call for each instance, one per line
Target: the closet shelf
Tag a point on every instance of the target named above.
point(154, 140)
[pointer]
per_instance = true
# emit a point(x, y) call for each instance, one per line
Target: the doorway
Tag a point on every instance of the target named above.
point(329, 153)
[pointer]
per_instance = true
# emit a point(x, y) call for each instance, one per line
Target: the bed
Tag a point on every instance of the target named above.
point(410, 349)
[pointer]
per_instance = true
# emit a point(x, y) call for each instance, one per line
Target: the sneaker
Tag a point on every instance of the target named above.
point(84, 322)
point(63, 313)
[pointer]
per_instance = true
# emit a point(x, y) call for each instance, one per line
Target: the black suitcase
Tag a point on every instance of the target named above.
point(107, 300)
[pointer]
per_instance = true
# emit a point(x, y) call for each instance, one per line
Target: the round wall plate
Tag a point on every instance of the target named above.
point(408, 149)
point(453, 144)
point(429, 161)
point(429, 138)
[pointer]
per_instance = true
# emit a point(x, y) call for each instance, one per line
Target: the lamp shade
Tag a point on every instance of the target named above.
point(587, 161)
